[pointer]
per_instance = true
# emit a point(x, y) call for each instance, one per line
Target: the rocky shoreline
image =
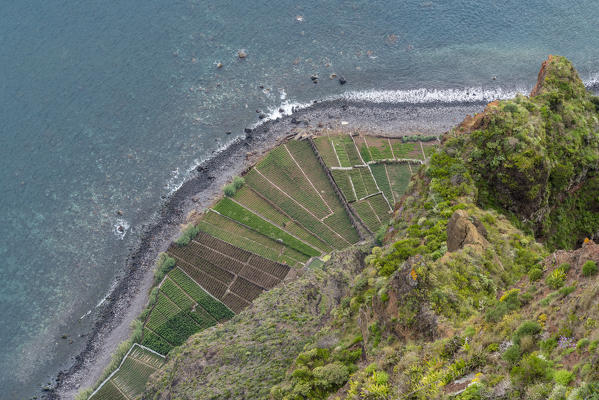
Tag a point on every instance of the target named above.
point(130, 294)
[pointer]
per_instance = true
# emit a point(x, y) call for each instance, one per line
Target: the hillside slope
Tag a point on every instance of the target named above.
point(461, 301)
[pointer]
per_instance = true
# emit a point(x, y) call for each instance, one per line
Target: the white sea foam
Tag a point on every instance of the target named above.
point(420, 96)
point(178, 178)
point(592, 81)
point(108, 293)
point(120, 228)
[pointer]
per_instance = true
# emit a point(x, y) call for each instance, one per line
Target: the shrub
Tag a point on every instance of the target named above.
point(229, 190)
point(556, 278)
point(531, 369)
point(589, 268)
point(540, 391)
point(238, 182)
point(475, 391)
point(535, 274)
point(582, 344)
point(163, 265)
point(526, 328)
point(548, 345)
point(566, 290)
point(189, 232)
point(512, 354)
point(563, 377)
point(331, 376)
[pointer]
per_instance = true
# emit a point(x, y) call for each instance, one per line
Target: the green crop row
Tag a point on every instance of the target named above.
point(214, 307)
point(173, 292)
point(155, 342)
point(281, 170)
point(380, 206)
point(407, 150)
point(399, 177)
point(238, 213)
point(325, 149)
point(178, 328)
point(247, 239)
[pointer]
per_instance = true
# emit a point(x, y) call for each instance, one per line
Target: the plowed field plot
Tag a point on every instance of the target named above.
point(279, 168)
point(248, 239)
point(346, 150)
point(379, 172)
point(254, 202)
point(296, 210)
point(399, 177)
point(406, 150)
point(379, 148)
point(326, 151)
point(128, 382)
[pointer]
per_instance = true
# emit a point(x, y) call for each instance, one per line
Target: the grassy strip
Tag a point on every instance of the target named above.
point(234, 211)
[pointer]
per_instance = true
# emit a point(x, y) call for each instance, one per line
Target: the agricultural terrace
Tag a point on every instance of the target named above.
point(129, 380)
point(374, 183)
point(304, 199)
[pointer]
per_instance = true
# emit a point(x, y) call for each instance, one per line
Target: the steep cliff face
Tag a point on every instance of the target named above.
point(537, 157)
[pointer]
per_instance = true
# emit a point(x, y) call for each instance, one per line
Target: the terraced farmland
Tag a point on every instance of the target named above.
point(129, 380)
point(373, 211)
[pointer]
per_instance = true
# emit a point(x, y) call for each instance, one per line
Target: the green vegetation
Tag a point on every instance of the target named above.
point(238, 213)
point(187, 234)
point(556, 278)
point(589, 268)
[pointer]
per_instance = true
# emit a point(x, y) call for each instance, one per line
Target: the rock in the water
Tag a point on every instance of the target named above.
point(461, 232)
point(342, 80)
point(219, 65)
point(294, 121)
point(242, 53)
point(247, 130)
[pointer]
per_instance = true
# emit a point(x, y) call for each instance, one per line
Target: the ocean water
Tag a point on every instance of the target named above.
point(104, 106)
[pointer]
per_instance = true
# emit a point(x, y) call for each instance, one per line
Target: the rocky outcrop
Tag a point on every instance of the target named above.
point(541, 77)
point(461, 231)
point(402, 312)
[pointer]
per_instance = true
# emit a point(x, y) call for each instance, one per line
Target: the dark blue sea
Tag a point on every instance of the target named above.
point(105, 106)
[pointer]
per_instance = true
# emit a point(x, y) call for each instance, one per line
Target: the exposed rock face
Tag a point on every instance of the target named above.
point(402, 300)
point(541, 77)
point(461, 232)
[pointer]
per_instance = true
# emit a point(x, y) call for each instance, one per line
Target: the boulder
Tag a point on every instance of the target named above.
point(461, 232)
